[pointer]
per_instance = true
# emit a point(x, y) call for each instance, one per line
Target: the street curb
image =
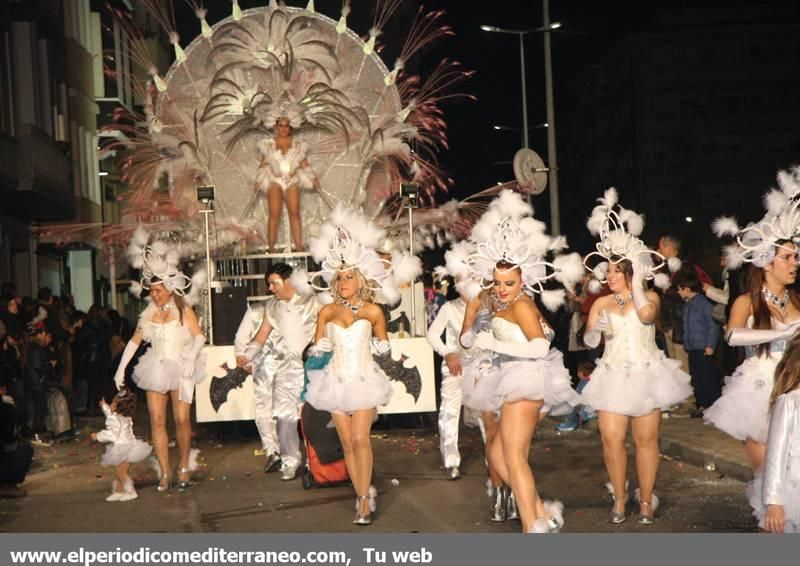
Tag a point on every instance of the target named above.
point(703, 457)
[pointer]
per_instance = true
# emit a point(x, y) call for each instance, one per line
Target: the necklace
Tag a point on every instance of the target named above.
point(165, 307)
point(773, 299)
point(500, 306)
point(353, 308)
point(620, 301)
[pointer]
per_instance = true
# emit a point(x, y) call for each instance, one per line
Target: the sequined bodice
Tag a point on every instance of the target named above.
point(628, 340)
point(508, 331)
point(351, 352)
point(168, 339)
point(776, 347)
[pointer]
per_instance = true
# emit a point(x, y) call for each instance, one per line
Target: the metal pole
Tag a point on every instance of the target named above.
point(552, 164)
point(413, 329)
point(112, 275)
point(210, 269)
point(525, 141)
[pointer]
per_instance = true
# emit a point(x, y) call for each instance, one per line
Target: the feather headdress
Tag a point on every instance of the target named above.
point(619, 229)
point(159, 261)
point(756, 243)
point(507, 234)
point(349, 240)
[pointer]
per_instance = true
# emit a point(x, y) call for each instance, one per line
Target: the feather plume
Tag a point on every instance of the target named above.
point(594, 286)
point(661, 280)
point(725, 226)
point(674, 264)
point(569, 269)
point(299, 280)
point(552, 299)
point(775, 202)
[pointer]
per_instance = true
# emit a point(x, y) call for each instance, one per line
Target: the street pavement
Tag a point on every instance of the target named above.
point(700, 485)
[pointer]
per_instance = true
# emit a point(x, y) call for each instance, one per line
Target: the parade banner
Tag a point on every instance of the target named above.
point(228, 394)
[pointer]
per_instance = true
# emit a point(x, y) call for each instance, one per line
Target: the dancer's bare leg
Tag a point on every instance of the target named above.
point(157, 409)
point(274, 207)
point(756, 454)
point(645, 437)
point(183, 431)
point(613, 428)
point(292, 197)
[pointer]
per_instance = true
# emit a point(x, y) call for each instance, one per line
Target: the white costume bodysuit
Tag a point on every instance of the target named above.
point(633, 377)
point(743, 409)
point(448, 321)
point(351, 381)
point(284, 169)
point(159, 369)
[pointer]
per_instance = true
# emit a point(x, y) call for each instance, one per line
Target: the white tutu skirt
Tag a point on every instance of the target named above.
point(329, 392)
point(132, 452)
point(478, 383)
point(791, 503)
point(743, 409)
point(545, 379)
point(160, 374)
point(638, 389)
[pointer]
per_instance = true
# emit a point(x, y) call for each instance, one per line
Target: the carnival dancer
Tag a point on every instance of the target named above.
point(633, 381)
point(123, 448)
point(290, 320)
point(351, 386)
point(263, 370)
point(777, 503)
point(172, 366)
point(284, 170)
point(763, 319)
point(455, 357)
point(508, 249)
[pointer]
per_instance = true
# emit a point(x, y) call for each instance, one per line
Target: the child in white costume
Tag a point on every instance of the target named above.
point(123, 447)
point(776, 503)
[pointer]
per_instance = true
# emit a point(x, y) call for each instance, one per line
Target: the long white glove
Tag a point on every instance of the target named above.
point(379, 347)
point(189, 357)
point(755, 336)
point(592, 337)
point(323, 345)
point(127, 356)
point(640, 272)
point(468, 339)
point(251, 351)
point(536, 348)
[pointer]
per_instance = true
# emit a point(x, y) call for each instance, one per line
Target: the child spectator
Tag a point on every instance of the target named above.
point(580, 414)
point(700, 335)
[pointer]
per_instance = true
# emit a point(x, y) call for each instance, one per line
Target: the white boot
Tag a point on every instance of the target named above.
point(115, 495)
point(129, 494)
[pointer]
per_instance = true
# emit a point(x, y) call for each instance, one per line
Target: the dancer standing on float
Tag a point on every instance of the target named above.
point(633, 380)
point(283, 171)
point(290, 320)
point(351, 386)
point(762, 320)
point(171, 368)
point(507, 247)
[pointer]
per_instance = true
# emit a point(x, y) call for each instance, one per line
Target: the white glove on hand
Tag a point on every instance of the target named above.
point(485, 341)
point(755, 336)
point(640, 273)
point(188, 358)
point(468, 339)
point(379, 347)
point(127, 356)
point(323, 345)
point(592, 337)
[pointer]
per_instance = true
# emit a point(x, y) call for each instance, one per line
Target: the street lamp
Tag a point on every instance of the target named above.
point(545, 29)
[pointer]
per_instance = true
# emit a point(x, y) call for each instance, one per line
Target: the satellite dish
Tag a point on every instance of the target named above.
point(530, 171)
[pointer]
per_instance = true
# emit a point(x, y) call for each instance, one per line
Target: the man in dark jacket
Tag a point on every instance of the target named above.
point(700, 336)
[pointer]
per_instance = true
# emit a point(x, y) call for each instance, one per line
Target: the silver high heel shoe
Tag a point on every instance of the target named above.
point(647, 509)
point(164, 484)
point(364, 518)
point(512, 513)
point(183, 485)
point(618, 517)
point(497, 512)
